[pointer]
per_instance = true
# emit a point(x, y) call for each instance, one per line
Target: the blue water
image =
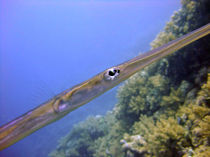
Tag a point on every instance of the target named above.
point(47, 46)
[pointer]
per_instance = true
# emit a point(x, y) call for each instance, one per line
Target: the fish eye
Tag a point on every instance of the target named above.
point(112, 73)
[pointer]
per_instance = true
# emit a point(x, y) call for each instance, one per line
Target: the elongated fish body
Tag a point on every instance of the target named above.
point(72, 98)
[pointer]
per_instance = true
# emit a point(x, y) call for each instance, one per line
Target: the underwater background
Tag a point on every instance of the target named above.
point(49, 46)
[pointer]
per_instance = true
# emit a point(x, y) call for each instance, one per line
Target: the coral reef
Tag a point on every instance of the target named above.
point(187, 133)
point(163, 110)
point(80, 141)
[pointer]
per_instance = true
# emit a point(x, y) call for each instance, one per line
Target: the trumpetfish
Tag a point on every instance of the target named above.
point(70, 99)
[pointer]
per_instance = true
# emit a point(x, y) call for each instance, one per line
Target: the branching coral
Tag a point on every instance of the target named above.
point(140, 95)
point(109, 144)
point(162, 138)
point(80, 141)
point(185, 134)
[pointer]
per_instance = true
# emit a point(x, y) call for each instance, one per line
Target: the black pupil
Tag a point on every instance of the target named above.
point(112, 73)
